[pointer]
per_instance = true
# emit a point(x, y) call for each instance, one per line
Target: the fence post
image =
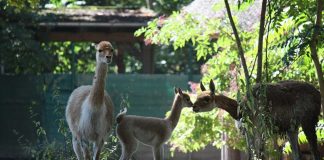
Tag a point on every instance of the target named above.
point(2, 70)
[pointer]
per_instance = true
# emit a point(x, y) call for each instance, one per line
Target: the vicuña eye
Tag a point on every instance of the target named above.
point(100, 50)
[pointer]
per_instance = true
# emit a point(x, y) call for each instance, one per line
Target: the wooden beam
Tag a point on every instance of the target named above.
point(92, 24)
point(147, 58)
point(120, 58)
point(88, 36)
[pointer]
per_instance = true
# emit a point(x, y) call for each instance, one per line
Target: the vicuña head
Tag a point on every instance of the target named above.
point(207, 101)
point(185, 98)
point(105, 52)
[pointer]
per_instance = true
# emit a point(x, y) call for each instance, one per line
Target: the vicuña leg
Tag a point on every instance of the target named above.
point(129, 146)
point(128, 151)
point(310, 133)
point(96, 149)
point(85, 150)
point(293, 139)
point(158, 152)
point(77, 148)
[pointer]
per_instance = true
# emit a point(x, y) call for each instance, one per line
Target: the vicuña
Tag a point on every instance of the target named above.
point(290, 104)
point(89, 112)
point(151, 131)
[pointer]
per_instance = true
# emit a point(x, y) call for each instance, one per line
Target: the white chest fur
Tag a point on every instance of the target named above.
point(92, 122)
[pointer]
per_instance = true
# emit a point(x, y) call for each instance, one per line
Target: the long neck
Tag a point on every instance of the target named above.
point(228, 104)
point(175, 111)
point(96, 96)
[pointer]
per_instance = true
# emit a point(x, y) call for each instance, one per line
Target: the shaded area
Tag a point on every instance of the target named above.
point(147, 95)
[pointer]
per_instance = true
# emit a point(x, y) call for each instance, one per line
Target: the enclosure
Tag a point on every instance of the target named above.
point(48, 48)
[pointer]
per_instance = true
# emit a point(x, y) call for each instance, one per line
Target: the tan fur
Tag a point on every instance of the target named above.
point(151, 131)
point(207, 101)
point(89, 112)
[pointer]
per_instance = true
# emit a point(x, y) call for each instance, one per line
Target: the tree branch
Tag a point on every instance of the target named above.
point(239, 46)
point(313, 44)
point(260, 42)
point(149, 4)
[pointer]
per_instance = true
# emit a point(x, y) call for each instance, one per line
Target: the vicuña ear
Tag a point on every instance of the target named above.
point(180, 91)
point(175, 90)
point(212, 86)
point(202, 87)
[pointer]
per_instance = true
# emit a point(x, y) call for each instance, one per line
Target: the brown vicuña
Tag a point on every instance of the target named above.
point(150, 131)
point(89, 112)
point(291, 104)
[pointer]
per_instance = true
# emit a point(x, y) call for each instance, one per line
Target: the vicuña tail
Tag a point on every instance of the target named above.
point(120, 116)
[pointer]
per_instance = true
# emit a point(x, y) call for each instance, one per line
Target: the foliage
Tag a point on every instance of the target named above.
point(19, 51)
point(286, 58)
point(297, 20)
point(20, 4)
point(83, 54)
point(173, 62)
point(168, 6)
point(22, 53)
point(43, 148)
point(187, 137)
point(179, 29)
point(60, 3)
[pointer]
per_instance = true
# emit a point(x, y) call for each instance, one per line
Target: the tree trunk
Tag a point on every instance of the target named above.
point(313, 48)
point(149, 4)
point(241, 54)
point(260, 42)
point(239, 46)
point(260, 145)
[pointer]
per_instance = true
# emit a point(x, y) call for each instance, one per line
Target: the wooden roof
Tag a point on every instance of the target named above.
point(94, 15)
point(92, 24)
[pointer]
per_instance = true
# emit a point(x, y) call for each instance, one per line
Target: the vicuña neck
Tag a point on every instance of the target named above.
point(98, 85)
point(175, 111)
point(229, 105)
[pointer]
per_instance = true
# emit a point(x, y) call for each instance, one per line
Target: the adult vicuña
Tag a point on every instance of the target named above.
point(89, 112)
point(151, 131)
point(290, 103)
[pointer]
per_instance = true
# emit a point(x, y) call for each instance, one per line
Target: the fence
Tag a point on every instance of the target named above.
point(148, 95)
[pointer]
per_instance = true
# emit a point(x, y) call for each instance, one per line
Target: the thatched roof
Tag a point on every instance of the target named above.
point(247, 17)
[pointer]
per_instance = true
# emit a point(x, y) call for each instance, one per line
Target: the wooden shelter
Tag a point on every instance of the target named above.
point(94, 25)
